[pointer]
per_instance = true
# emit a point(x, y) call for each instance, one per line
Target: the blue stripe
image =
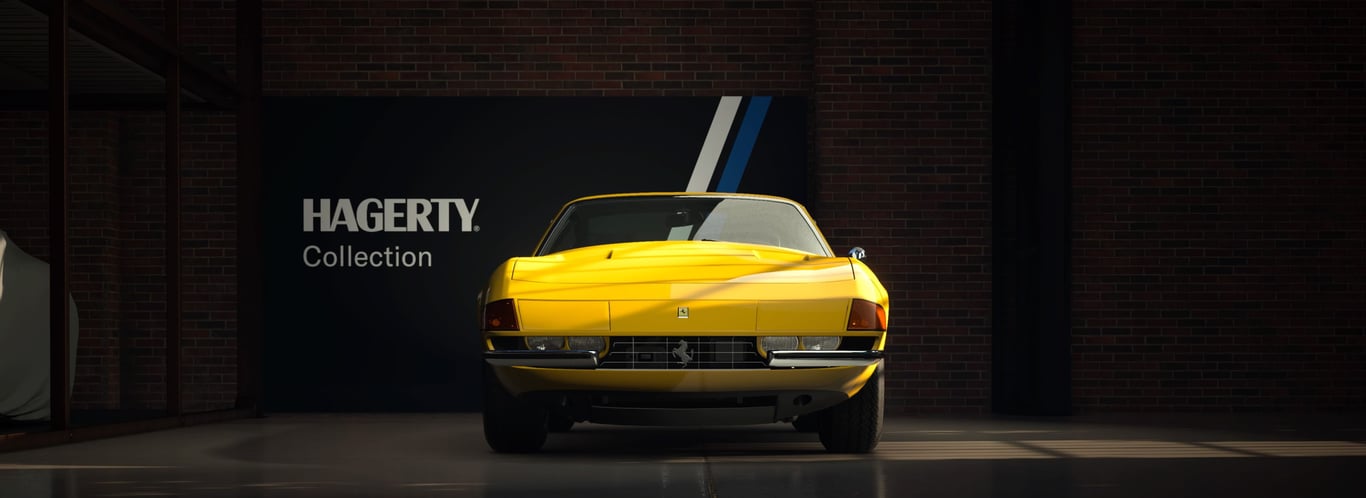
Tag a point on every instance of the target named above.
point(744, 144)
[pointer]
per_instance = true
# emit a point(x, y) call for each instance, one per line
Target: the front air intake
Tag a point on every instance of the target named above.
point(682, 353)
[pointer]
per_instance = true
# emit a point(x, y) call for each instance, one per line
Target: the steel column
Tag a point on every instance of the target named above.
point(173, 235)
point(249, 264)
point(1031, 189)
point(59, 197)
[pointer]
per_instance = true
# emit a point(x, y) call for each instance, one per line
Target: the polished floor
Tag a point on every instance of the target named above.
point(444, 455)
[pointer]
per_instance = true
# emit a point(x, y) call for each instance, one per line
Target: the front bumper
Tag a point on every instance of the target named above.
point(568, 383)
point(542, 359)
point(522, 372)
point(589, 359)
point(816, 359)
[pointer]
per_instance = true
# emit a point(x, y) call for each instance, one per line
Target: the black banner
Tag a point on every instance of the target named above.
point(385, 216)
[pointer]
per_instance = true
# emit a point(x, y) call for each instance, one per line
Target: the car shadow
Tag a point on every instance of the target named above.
point(615, 442)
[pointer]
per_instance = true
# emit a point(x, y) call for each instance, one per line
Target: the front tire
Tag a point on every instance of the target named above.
point(808, 423)
point(855, 426)
point(511, 425)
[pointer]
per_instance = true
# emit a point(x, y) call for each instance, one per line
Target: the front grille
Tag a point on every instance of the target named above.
point(682, 353)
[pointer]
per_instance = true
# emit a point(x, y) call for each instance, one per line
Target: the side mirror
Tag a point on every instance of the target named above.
point(858, 253)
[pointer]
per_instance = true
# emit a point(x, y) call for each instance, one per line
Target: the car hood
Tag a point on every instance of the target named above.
point(681, 262)
point(684, 287)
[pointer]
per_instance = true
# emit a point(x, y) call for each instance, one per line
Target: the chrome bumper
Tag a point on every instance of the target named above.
point(798, 359)
point(543, 359)
point(589, 359)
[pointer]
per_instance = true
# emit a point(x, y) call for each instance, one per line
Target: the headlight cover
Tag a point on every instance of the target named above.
point(778, 343)
point(588, 343)
point(821, 343)
point(542, 343)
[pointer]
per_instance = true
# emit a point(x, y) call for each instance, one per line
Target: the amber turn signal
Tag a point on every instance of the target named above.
point(500, 315)
point(867, 315)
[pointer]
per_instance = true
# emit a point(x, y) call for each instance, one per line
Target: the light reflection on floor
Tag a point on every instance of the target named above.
point(444, 455)
point(1036, 449)
point(22, 466)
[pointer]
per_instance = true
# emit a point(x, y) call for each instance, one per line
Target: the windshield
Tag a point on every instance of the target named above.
point(642, 219)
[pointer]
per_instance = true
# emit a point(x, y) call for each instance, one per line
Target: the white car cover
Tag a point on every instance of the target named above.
point(24, 340)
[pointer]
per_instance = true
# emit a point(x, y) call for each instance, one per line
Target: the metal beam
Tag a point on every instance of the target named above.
point(59, 199)
point(199, 74)
point(249, 261)
point(109, 25)
point(37, 100)
point(173, 235)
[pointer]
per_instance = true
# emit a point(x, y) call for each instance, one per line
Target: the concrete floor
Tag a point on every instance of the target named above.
point(444, 454)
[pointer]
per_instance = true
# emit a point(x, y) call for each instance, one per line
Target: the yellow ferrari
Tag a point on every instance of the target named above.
point(683, 309)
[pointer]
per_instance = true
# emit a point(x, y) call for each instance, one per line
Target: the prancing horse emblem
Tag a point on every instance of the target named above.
point(682, 311)
point(682, 352)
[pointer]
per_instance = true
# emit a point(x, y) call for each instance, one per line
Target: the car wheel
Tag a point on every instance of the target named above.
point(560, 423)
point(855, 426)
point(810, 422)
point(511, 425)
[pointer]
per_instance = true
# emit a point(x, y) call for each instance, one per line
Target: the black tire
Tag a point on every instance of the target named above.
point(810, 422)
point(855, 426)
point(560, 423)
point(511, 425)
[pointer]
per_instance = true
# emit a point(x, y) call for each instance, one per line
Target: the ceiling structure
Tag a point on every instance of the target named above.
point(114, 61)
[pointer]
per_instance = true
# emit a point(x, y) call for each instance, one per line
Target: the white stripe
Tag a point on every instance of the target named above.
point(711, 148)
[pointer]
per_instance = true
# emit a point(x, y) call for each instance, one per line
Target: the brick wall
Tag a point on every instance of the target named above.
point(1219, 205)
point(208, 224)
point(142, 339)
point(209, 276)
point(538, 48)
point(95, 281)
point(23, 180)
point(903, 139)
point(208, 252)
